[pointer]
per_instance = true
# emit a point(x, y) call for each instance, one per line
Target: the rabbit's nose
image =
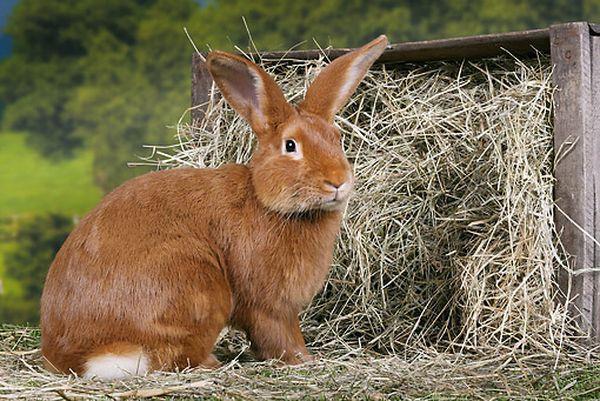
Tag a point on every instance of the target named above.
point(340, 189)
point(333, 186)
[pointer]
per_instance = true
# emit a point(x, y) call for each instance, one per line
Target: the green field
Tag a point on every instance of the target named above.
point(29, 184)
point(9, 287)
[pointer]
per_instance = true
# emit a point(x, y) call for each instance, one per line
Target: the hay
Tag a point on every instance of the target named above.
point(337, 375)
point(449, 239)
point(444, 281)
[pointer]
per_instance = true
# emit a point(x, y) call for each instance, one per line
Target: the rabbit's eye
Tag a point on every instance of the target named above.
point(290, 146)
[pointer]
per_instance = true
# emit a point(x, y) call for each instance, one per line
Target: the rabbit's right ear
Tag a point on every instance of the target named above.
point(337, 82)
point(249, 90)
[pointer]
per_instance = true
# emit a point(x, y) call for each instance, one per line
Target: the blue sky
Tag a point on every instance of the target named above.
point(5, 9)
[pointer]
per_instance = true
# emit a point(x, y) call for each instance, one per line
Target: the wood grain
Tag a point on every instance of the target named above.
point(595, 153)
point(574, 192)
point(470, 47)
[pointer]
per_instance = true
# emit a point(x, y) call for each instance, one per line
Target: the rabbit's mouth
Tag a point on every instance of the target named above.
point(336, 196)
point(332, 205)
point(335, 201)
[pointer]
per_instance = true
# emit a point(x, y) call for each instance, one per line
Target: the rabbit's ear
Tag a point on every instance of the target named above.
point(249, 90)
point(337, 82)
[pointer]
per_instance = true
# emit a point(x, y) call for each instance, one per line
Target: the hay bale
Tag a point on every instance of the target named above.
point(449, 239)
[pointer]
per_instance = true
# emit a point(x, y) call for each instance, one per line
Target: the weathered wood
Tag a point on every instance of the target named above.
point(471, 47)
point(574, 192)
point(595, 133)
point(201, 84)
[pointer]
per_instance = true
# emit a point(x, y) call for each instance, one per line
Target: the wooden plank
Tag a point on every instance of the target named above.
point(201, 85)
point(574, 190)
point(471, 47)
point(595, 163)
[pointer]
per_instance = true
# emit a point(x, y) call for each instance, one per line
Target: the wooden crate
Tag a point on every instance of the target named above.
point(575, 54)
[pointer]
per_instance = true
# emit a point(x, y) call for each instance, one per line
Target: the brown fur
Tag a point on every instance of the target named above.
point(168, 259)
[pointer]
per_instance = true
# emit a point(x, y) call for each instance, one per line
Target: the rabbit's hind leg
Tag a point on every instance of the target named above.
point(202, 310)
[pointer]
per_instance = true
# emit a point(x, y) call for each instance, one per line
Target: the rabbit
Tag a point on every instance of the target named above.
point(150, 277)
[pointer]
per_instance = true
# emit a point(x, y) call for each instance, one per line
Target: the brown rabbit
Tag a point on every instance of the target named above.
point(151, 276)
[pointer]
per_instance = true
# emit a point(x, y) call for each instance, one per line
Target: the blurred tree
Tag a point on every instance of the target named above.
point(50, 29)
point(49, 39)
point(130, 93)
point(281, 25)
point(111, 76)
point(38, 238)
point(35, 94)
point(451, 18)
point(19, 311)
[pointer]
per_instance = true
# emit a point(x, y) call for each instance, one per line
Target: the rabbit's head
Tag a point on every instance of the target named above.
point(299, 164)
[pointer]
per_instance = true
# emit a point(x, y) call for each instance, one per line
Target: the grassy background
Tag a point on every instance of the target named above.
point(9, 286)
point(30, 183)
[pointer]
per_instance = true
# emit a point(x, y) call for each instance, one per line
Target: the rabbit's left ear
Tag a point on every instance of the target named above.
point(337, 82)
point(249, 90)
